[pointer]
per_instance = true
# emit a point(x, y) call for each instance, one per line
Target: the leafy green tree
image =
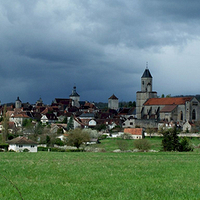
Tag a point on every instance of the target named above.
point(65, 120)
point(59, 131)
point(77, 137)
point(27, 123)
point(5, 131)
point(100, 127)
point(48, 140)
point(70, 124)
point(185, 145)
point(170, 140)
point(59, 142)
point(150, 131)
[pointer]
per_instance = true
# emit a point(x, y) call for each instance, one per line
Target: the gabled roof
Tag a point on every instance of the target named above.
point(21, 140)
point(168, 101)
point(146, 74)
point(113, 97)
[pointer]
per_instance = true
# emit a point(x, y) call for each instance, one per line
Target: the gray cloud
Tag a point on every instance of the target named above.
point(101, 46)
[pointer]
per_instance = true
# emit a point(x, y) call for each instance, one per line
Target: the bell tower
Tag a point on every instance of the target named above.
point(145, 93)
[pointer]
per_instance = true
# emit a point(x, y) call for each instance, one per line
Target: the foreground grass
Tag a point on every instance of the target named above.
point(48, 175)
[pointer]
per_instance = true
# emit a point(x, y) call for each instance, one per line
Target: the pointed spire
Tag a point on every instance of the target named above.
point(146, 73)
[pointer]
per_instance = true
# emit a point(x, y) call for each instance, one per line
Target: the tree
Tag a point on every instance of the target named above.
point(142, 144)
point(170, 140)
point(122, 144)
point(5, 125)
point(48, 140)
point(150, 131)
point(77, 137)
point(70, 124)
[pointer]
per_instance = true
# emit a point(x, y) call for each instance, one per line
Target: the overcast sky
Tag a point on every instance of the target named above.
point(101, 46)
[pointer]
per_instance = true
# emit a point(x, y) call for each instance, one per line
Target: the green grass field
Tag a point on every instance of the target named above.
point(113, 176)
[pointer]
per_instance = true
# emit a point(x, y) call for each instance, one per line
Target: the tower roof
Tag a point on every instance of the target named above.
point(74, 93)
point(113, 97)
point(146, 74)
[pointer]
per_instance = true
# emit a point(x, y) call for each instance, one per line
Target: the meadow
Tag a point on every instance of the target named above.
point(86, 175)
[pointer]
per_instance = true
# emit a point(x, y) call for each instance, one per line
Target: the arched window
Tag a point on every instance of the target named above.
point(193, 114)
point(181, 115)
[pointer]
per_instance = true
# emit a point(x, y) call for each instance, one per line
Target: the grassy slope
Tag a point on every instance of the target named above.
point(51, 175)
point(111, 144)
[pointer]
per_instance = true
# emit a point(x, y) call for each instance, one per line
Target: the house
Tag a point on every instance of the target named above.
point(136, 133)
point(18, 118)
point(187, 126)
point(49, 118)
point(20, 143)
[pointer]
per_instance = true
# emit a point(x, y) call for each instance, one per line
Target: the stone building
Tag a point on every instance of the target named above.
point(113, 102)
point(177, 109)
point(145, 93)
point(18, 103)
point(75, 98)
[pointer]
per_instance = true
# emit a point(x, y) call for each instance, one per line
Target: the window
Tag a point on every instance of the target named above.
point(181, 117)
point(131, 123)
point(32, 146)
point(193, 114)
point(194, 103)
point(20, 146)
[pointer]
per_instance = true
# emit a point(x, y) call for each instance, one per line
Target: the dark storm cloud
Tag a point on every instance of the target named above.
point(101, 46)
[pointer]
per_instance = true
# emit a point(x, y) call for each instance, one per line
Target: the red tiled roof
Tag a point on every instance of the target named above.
point(168, 108)
point(168, 101)
point(133, 131)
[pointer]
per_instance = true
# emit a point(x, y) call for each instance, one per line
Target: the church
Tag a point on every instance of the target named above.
point(177, 109)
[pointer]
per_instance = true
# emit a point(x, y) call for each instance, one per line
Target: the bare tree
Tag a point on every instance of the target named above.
point(77, 137)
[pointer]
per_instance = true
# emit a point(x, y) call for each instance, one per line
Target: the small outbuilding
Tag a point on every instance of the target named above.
point(19, 144)
point(136, 133)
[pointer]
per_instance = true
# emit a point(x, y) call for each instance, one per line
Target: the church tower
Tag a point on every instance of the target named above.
point(18, 103)
point(75, 98)
point(113, 102)
point(145, 93)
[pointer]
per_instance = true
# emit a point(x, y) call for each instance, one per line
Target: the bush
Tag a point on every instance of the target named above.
point(42, 148)
point(59, 142)
point(54, 149)
point(11, 150)
point(142, 144)
point(25, 150)
point(122, 144)
point(185, 145)
point(4, 146)
point(126, 136)
point(102, 137)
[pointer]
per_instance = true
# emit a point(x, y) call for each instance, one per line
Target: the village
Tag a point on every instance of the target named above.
point(28, 126)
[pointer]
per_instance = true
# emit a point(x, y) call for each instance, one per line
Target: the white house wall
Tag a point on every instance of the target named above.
point(17, 148)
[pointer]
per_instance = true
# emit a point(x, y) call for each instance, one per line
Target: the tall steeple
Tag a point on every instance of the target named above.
point(146, 81)
point(145, 93)
point(74, 93)
point(75, 97)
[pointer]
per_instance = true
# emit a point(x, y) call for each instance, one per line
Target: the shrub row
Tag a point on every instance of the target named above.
point(54, 149)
